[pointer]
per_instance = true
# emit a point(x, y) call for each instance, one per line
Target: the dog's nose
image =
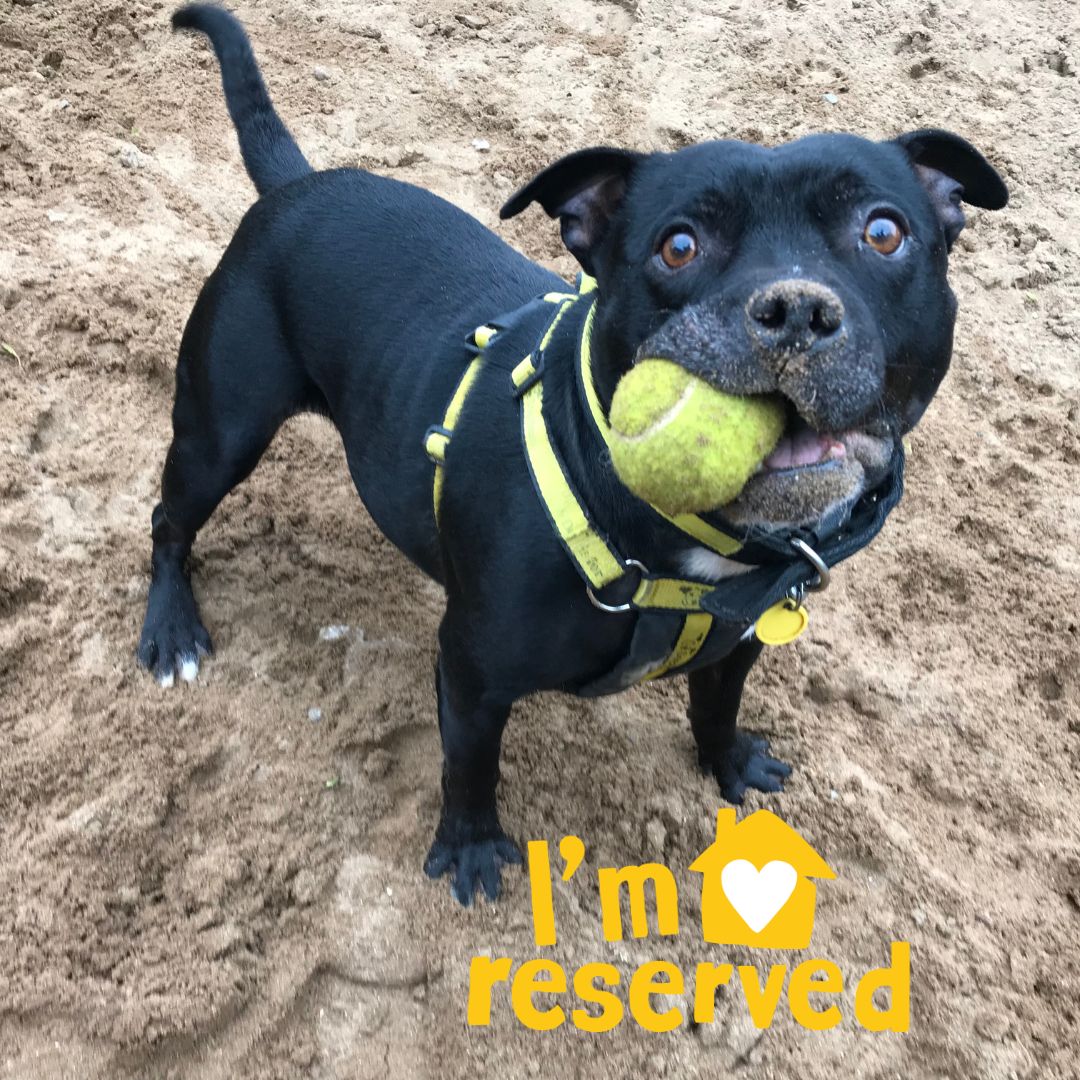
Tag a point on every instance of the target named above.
point(793, 315)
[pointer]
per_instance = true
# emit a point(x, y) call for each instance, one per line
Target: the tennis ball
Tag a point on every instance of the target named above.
point(684, 446)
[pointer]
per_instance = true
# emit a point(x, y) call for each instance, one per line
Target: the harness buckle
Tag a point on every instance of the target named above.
point(617, 609)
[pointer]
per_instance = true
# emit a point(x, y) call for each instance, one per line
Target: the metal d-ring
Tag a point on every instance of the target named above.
point(816, 561)
point(616, 609)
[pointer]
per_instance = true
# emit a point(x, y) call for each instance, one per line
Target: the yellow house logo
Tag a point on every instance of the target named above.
point(766, 906)
point(758, 889)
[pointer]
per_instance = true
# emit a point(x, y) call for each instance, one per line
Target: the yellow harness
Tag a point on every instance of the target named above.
point(596, 560)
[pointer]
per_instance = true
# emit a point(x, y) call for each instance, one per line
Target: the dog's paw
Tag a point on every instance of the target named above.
point(472, 863)
point(747, 764)
point(173, 639)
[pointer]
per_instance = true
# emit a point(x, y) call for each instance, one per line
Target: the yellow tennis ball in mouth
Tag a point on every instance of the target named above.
point(683, 445)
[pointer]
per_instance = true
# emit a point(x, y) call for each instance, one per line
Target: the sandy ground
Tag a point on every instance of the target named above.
point(181, 892)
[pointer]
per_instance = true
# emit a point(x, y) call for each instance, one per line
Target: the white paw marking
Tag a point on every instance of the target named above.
point(699, 562)
point(166, 681)
point(758, 895)
point(189, 669)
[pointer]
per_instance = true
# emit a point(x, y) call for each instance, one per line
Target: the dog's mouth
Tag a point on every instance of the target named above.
point(810, 473)
point(801, 447)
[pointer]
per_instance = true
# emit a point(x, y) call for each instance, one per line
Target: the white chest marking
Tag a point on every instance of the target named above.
point(701, 563)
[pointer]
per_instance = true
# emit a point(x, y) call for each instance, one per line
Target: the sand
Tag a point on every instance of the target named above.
point(207, 882)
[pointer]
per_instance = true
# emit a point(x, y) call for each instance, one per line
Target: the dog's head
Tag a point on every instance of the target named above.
point(816, 270)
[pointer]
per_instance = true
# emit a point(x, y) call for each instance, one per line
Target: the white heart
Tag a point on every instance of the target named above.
point(757, 895)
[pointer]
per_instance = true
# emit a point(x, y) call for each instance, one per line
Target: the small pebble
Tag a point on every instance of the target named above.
point(314, 714)
point(919, 916)
point(128, 895)
point(333, 633)
point(481, 145)
point(831, 99)
point(321, 73)
point(131, 157)
point(473, 22)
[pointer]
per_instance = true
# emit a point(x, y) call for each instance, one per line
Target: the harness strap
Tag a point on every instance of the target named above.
point(690, 605)
point(694, 633)
point(670, 594)
point(590, 551)
point(594, 556)
point(437, 437)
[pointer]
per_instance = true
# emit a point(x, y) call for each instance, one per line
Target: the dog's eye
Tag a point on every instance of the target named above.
point(884, 234)
point(679, 249)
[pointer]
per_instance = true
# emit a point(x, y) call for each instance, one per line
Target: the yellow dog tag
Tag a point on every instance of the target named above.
point(782, 623)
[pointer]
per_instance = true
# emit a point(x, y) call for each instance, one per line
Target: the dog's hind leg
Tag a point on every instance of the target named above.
point(235, 384)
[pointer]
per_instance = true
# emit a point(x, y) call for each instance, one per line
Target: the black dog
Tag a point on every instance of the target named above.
point(815, 270)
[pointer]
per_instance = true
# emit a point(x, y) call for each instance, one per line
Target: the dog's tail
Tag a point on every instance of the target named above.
point(270, 152)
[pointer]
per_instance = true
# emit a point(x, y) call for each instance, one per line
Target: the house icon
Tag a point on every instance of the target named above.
point(756, 886)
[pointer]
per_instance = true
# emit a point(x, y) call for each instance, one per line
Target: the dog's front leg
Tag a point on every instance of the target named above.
point(738, 759)
point(469, 841)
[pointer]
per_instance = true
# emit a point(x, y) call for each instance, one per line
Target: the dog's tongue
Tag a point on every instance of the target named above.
point(803, 447)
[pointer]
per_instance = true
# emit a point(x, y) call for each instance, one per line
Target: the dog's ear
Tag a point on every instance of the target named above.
point(583, 190)
point(953, 171)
